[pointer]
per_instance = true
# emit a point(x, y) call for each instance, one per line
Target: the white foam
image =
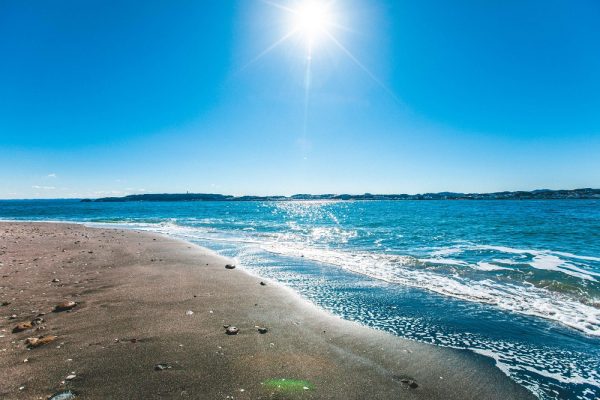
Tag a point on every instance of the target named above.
point(519, 298)
point(554, 263)
point(485, 266)
point(445, 261)
point(540, 259)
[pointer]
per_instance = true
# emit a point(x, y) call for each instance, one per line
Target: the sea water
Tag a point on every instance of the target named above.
point(517, 281)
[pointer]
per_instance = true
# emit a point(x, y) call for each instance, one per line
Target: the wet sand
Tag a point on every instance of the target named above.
point(134, 292)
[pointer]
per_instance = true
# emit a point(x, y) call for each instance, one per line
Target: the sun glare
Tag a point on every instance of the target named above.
point(312, 19)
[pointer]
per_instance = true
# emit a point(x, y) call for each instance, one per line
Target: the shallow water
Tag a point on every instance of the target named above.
point(517, 281)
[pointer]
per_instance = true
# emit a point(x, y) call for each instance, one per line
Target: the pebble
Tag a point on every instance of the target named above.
point(162, 366)
point(231, 330)
point(23, 326)
point(63, 395)
point(410, 383)
point(262, 330)
point(55, 280)
point(263, 284)
point(189, 312)
point(229, 266)
point(70, 377)
point(64, 306)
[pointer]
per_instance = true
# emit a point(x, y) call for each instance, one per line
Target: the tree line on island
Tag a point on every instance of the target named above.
point(542, 194)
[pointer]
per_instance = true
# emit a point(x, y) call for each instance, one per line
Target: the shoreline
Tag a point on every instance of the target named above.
point(134, 290)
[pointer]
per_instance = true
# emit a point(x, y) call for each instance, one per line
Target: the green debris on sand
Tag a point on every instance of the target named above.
point(288, 385)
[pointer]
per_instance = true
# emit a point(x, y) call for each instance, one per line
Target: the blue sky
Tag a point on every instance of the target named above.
point(109, 98)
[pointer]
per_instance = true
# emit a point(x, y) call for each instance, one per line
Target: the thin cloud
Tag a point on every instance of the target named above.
point(52, 175)
point(43, 187)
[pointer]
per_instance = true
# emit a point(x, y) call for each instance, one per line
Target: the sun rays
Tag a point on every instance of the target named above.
point(315, 22)
point(315, 25)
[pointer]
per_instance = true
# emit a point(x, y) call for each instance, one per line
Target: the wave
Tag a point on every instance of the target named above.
point(411, 271)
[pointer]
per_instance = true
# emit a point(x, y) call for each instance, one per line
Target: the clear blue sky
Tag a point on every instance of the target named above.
point(116, 97)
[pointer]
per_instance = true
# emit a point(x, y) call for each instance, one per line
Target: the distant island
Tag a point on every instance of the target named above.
point(542, 194)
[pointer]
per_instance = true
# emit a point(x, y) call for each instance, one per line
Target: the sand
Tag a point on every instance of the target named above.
point(134, 293)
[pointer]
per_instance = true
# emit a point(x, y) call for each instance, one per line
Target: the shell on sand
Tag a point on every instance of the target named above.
point(42, 340)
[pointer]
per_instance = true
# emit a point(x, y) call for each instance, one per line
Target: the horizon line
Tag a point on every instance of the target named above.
point(290, 196)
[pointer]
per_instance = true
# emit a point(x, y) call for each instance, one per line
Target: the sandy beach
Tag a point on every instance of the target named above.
point(149, 322)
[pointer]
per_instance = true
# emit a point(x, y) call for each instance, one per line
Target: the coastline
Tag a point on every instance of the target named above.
point(133, 291)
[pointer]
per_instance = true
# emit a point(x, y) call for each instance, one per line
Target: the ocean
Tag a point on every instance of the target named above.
point(517, 281)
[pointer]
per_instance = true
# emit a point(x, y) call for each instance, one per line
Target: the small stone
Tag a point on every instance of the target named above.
point(55, 280)
point(189, 312)
point(230, 266)
point(64, 306)
point(21, 387)
point(410, 383)
point(263, 284)
point(263, 330)
point(5, 303)
point(63, 395)
point(162, 366)
point(37, 321)
point(231, 330)
point(23, 326)
point(14, 316)
point(42, 340)
point(26, 360)
point(70, 377)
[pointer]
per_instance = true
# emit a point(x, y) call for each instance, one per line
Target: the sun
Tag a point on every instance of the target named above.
point(312, 19)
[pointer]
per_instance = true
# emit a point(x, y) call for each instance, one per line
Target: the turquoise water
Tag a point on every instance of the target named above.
point(517, 281)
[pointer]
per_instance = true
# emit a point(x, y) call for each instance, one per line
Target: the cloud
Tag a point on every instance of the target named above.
point(44, 187)
point(52, 175)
